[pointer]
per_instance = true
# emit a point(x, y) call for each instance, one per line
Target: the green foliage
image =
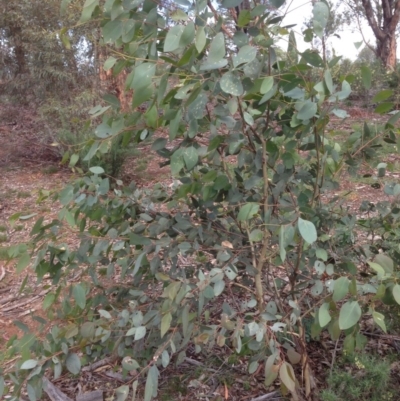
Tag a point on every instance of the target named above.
point(366, 378)
point(245, 137)
point(70, 132)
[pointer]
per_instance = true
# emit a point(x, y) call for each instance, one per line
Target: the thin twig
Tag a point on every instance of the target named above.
point(270, 396)
point(334, 356)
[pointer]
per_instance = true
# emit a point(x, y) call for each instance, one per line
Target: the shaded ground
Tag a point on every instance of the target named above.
point(26, 168)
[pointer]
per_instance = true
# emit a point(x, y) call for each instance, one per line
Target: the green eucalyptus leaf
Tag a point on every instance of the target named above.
point(396, 293)
point(217, 49)
point(248, 211)
point(366, 76)
point(340, 288)
point(324, 317)
point(190, 157)
point(29, 364)
point(79, 294)
point(350, 314)
point(73, 363)
point(231, 83)
point(307, 230)
point(173, 38)
point(320, 18)
point(245, 55)
point(382, 95)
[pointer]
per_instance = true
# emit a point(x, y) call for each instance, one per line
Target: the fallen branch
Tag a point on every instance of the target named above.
point(54, 393)
point(274, 395)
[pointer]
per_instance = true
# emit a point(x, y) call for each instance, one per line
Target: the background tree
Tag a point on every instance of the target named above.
point(383, 17)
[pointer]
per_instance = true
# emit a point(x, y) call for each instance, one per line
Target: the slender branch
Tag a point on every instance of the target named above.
point(369, 13)
point(214, 11)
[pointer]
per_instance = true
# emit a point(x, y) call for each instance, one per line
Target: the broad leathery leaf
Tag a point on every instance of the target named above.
point(320, 18)
point(349, 315)
point(256, 235)
point(140, 332)
point(201, 39)
point(393, 119)
point(307, 230)
point(319, 267)
point(379, 319)
point(340, 113)
point(214, 65)
point(138, 263)
point(23, 262)
point(385, 262)
point(328, 81)
point(269, 94)
point(112, 31)
point(109, 63)
point(294, 356)
point(308, 110)
point(266, 85)
point(74, 159)
point(88, 9)
point(378, 268)
point(253, 366)
point(187, 35)
point(122, 393)
point(343, 94)
point(29, 364)
point(324, 317)
point(232, 84)
point(73, 363)
point(97, 170)
point(247, 211)
point(217, 49)
point(317, 288)
point(150, 390)
point(219, 287)
point(286, 374)
point(87, 329)
point(165, 323)
point(286, 234)
point(366, 76)
point(382, 95)
point(172, 40)
point(396, 293)
point(190, 157)
point(165, 358)
point(79, 294)
point(134, 389)
point(105, 314)
point(142, 76)
point(179, 15)
point(271, 375)
point(384, 108)
point(340, 289)
point(48, 301)
point(245, 55)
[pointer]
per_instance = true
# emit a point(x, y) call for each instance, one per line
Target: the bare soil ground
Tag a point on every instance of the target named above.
point(27, 165)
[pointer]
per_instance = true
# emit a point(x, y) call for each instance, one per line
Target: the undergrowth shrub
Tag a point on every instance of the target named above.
point(359, 377)
point(248, 251)
point(69, 130)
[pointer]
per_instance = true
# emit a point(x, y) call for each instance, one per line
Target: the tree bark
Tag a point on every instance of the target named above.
point(19, 51)
point(385, 30)
point(110, 83)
